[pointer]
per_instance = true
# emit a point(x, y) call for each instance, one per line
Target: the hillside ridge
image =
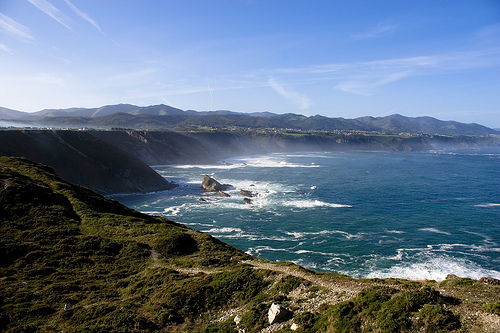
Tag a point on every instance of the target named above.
point(167, 117)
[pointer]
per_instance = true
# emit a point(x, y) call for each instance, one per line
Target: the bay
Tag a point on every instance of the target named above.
point(364, 214)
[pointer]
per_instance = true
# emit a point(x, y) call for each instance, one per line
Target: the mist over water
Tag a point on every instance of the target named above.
point(364, 214)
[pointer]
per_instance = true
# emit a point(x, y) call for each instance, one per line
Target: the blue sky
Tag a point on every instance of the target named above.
point(335, 58)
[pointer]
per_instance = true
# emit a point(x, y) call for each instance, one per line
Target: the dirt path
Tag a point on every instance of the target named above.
point(338, 285)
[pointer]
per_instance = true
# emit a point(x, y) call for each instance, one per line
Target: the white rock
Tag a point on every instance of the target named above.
point(277, 313)
point(294, 327)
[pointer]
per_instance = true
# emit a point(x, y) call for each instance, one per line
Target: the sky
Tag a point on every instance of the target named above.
point(336, 58)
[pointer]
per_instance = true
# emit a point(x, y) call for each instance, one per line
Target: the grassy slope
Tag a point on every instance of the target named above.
point(122, 271)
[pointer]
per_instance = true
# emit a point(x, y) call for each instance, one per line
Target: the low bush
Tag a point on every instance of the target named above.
point(492, 308)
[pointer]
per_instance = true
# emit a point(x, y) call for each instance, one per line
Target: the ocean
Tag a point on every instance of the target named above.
point(363, 214)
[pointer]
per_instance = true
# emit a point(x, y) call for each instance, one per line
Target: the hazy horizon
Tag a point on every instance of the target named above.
point(333, 58)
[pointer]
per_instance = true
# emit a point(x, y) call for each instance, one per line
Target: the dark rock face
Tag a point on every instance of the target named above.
point(211, 185)
point(490, 280)
point(84, 159)
point(247, 201)
point(246, 193)
point(223, 194)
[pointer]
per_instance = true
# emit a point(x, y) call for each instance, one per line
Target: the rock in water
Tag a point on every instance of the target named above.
point(211, 185)
point(247, 201)
point(223, 194)
point(277, 313)
point(247, 193)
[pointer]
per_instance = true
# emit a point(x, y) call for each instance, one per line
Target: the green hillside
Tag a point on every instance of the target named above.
point(74, 261)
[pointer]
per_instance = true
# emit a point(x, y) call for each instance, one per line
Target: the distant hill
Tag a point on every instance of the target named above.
point(10, 114)
point(167, 117)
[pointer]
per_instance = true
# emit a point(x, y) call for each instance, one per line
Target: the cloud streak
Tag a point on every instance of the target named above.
point(83, 15)
point(375, 32)
point(6, 49)
point(365, 88)
point(366, 78)
point(52, 11)
point(11, 27)
point(300, 99)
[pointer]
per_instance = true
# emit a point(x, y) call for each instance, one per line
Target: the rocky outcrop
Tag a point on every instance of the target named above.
point(246, 193)
point(247, 201)
point(277, 313)
point(223, 194)
point(211, 185)
point(490, 280)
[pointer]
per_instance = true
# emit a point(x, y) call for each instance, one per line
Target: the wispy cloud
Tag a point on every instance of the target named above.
point(87, 18)
point(368, 77)
point(6, 49)
point(368, 88)
point(11, 27)
point(83, 15)
point(375, 31)
point(300, 99)
point(52, 11)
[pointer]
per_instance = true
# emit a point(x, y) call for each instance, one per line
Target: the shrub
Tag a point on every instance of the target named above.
point(492, 308)
point(287, 284)
point(175, 243)
point(256, 318)
point(434, 318)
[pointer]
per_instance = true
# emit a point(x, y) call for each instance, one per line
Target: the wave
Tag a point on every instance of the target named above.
point(273, 161)
point(395, 232)
point(435, 230)
point(223, 230)
point(486, 205)
point(323, 232)
point(174, 211)
point(314, 252)
point(313, 204)
point(258, 249)
point(434, 269)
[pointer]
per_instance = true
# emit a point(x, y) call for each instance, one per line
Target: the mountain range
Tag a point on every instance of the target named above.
point(161, 116)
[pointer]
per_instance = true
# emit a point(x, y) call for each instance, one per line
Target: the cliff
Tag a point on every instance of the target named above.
point(72, 260)
point(83, 158)
point(118, 161)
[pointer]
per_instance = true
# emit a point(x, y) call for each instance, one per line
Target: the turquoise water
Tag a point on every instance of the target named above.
point(364, 214)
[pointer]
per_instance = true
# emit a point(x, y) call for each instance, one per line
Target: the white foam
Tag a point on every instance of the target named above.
point(274, 161)
point(223, 230)
point(324, 232)
point(313, 203)
point(435, 269)
point(259, 249)
point(487, 205)
point(435, 230)
point(221, 166)
point(394, 232)
point(314, 252)
point(174, 211)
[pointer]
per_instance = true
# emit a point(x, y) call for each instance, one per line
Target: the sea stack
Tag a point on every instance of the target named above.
point(211, 185)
